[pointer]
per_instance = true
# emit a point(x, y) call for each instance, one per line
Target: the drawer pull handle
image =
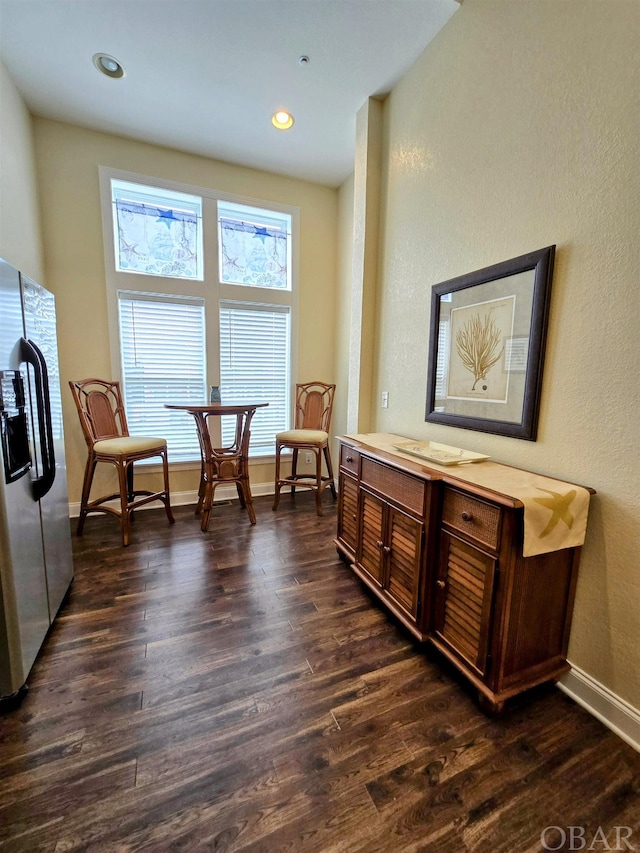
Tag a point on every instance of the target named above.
point(349, 458)
point(440, 584)
point(467, 516)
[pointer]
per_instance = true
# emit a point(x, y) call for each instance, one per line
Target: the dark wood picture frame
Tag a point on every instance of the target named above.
point(487, 340)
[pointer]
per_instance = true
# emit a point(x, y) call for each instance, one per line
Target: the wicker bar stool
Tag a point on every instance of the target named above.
point(104, 425)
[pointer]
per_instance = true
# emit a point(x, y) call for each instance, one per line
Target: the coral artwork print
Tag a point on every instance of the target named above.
point(478, 345)
point(479, 332)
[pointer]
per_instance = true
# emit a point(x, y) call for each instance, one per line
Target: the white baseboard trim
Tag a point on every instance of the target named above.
point(222, 494)
point(618, 715)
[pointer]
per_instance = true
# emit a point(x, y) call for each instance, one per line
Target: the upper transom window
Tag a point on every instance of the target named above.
point(255, 246)
point(157, 232)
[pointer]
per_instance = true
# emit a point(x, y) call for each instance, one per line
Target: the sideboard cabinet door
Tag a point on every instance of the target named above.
point(463, 600)
point(372, 529)
point(391, 555)
point(384, 518)
point(404, 558)
point(348, 514)
point(348, 496)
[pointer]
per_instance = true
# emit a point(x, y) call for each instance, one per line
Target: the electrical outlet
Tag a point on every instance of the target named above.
point(385, 400)
point(308, 458)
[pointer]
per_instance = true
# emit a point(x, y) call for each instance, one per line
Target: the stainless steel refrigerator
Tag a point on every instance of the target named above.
point(36, 564)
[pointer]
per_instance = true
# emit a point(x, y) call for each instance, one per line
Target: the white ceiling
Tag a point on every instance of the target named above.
point(205, 76)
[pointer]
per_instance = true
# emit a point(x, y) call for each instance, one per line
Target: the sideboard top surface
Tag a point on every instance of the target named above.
point(555, 512)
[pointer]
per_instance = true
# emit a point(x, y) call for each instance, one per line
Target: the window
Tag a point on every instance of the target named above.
point(254, 366)
point(212, 301)
point(157, 232)
point(254, 246)
point(162, 342)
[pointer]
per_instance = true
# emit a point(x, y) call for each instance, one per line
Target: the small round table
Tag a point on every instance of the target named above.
point(222, 464)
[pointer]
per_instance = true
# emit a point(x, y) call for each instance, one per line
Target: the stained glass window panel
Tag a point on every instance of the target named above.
point(157, 232)
point(255, 246)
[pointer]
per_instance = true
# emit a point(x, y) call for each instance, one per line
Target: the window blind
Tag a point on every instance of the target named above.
point(162, 341)
point(254, 368)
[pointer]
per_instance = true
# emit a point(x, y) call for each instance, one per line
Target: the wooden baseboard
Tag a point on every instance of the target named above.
point(618, 715)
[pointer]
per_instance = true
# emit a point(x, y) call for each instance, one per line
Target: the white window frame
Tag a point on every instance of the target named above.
point(211, 289)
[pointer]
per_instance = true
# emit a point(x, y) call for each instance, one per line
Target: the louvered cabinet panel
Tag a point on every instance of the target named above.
point(404, 560)
point(370, 553)
point(464, 593)
point(348, 513)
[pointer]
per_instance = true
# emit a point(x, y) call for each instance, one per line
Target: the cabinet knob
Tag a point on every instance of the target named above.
point(467, 516)
point(440, 584)
point(349, 458)
point(379, 544)
point(386, 549)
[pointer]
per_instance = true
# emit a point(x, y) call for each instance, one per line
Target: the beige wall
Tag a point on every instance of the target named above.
point(20, 238)
point(518, 128)
point(68, 159)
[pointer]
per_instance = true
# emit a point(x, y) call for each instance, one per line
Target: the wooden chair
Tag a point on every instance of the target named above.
point(314, 404)
point(104, 424)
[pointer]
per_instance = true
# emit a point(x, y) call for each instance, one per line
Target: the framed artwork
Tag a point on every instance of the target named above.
point(486, 346)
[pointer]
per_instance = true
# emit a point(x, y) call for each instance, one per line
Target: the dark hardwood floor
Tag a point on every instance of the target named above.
point(239, 690)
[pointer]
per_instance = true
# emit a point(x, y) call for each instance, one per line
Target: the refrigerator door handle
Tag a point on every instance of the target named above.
point(33, 356)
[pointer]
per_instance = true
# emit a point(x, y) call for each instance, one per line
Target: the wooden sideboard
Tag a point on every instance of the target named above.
point(445, 557)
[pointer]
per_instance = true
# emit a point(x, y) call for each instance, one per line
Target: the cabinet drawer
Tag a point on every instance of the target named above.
point(349, 459)
point(472, 517)
point(395, 485)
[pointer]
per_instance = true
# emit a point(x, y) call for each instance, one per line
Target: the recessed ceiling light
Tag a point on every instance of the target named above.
point(108, 65)
point(282, 120)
